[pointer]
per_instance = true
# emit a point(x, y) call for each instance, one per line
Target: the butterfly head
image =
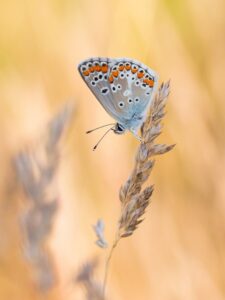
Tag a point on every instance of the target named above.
point(119, 129)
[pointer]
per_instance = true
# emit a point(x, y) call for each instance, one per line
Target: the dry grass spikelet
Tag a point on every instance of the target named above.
point(134, 199)
point(133, 196)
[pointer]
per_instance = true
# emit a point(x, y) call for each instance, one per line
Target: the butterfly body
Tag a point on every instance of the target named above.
point(123, 86)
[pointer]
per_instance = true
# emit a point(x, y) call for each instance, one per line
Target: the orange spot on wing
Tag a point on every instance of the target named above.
point(151, 82)
point(115, 73)
point(86, 73)
point(104, 69)
point(91, 69)
point(128, 67)
point(140, 75)
point(145, 80)
point(111, 79)
point(121, 68)
point(134, 71)
point(97, 68)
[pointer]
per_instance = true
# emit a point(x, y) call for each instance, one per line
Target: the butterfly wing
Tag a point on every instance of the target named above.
point(95, 73)
point(124, 87)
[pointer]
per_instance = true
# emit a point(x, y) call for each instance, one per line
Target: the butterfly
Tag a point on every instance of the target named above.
point(124, 87)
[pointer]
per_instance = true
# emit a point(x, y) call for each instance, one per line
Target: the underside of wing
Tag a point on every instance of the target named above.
point(95, 73)
point(123, 86)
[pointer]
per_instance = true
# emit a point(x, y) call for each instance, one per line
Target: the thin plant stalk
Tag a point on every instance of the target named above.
point(106, 271)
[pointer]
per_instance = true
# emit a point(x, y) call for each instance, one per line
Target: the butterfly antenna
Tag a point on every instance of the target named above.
point(89, 131)
point(95, 147)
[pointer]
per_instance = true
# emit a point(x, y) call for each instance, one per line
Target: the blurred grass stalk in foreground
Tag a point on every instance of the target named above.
point(36, 169)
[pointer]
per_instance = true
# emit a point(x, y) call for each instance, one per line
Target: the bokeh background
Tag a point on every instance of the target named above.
point(178, 251)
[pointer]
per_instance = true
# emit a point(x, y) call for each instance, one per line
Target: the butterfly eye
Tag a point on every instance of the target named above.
point(144, 85)
point(129, 100)
point(137, 99)
point(122, 75)
point(137, 82)
point(147, 76)
point(83, 68)
point(95, 78)
point(93, 83)
point(141, 71)
point(121, 104)
point(119, 86)
point(114, 68)
point(100, 76)
point(134, 67)
point(120, 64)
point(89, 65)
point(105, 77)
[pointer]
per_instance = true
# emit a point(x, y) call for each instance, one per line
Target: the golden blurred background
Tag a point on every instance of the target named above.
point(178, 251)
